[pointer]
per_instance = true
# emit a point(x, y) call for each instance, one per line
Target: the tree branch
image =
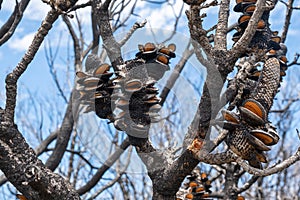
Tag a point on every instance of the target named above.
point(63, 135)
point(269, 171)
point(287, 21)
point(113, 48)
point(136, 26)
point(175, 73)
point(222, 26)
point(27, 173)
point(12, 78)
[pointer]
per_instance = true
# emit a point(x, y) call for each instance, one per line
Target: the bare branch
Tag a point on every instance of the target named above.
point(176, 22)
point(247, 185)
point(76, 7)
point(136, 26)
point(39, 181)
point(113, 48)
point(112, 182)
point(76, 44)
point(73, 152)
point(8, 29)
point(196, 30)
point(222, 26)
point(287, 21)
point(12, 78)
point(295, 60)
point(175, 73)
point(50, 60)
point(219, 139)
point(63, 135)
point(39, 150)
point(269, 171)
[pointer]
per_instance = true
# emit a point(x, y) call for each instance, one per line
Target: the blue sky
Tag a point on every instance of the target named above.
point(157, 18)
point(37, 78)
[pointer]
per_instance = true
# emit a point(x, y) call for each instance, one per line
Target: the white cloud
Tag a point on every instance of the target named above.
point(277, 15)
point(8, 5)
point(21, 43)
point(160, 17)
point(294, 32)
point(36, 10)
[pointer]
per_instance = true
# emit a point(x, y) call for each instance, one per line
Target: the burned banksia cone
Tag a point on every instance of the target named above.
point(94, 90)
point(250, 132)
point(263, 38)
point(196, 186)
point(128, 97)
point(136, 96)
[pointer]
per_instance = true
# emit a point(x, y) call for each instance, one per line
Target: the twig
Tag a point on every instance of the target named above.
point(286, 107)
point(287, 21)
point(118, 176)
point(63, 135)
point(175, 73)
point(76, 45)
point(176, 22)
point(76, 7)
point(219, 139)
point(136, 26)
point(247, 185)
point(73, 152)
point(295, 61)
point(50, 60)
point(108, 163)
point(269, 171)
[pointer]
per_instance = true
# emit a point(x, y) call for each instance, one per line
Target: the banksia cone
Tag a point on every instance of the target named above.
point(250, 131)
point(137, 93)
point(128, 97)
point(196, 186)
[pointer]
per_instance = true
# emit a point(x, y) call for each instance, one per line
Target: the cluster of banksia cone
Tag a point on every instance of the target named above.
point(197, 186)
point(250, 132)
point(264, 38)
point(128, 97)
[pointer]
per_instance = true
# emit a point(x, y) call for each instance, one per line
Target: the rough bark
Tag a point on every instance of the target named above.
point(26, 172)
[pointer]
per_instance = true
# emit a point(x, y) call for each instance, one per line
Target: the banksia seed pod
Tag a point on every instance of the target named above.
point(21, 197)
point(135, 93)
point(94, 89)
point(131, 91)
point(196, 185)
point(240, 198)
point(255, 134)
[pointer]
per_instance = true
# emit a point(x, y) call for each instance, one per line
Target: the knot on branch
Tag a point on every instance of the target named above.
point(196, 146)
point(61, 6)
point(11, 80)
point(32, 173)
